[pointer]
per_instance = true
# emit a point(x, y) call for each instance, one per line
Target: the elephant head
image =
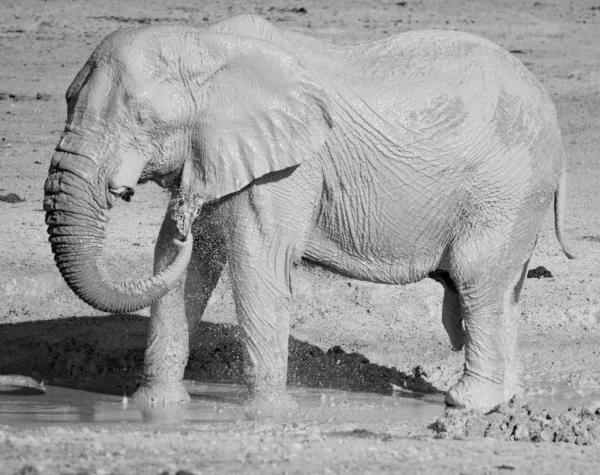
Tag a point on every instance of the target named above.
point(201, 113)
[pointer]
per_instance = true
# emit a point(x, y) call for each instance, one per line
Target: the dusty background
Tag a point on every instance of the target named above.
point(395, 333)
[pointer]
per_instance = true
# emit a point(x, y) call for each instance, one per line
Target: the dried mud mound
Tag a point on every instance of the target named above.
point(516, 420)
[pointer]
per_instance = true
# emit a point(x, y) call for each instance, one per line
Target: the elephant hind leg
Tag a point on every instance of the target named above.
point(451, 310)
point(489, 292)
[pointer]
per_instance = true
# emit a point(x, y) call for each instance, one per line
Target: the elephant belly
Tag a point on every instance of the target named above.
point(392, 259)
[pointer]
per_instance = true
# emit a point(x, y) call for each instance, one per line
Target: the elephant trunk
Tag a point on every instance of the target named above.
point(77, 216)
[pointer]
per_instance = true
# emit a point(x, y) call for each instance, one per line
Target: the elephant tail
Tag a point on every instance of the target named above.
point(560, 197)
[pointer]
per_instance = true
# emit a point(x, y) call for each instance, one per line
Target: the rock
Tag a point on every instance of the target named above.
point(545, 435)
point(583, 439)
point(504, 409)
point(566, 434)
point(580, 429)
point(521, 432)
point(539, 272)
point(476, 427)
point(552, 414)
point(495, 431)
point(591, 409)
point(594, 432)
point(516, 402)
point(12, 198)
point(496, 418)
point(516, 420)
point(336, 350)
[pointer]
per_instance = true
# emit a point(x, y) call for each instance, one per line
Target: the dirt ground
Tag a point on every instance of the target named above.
point(346, 334)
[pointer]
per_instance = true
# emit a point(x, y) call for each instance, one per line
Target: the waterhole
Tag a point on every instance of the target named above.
point(29, 406)
point(24, 406)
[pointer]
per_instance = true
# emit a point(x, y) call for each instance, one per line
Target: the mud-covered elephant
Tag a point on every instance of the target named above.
point(427, 154)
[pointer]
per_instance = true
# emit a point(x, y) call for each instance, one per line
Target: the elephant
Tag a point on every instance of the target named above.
point(429, 154)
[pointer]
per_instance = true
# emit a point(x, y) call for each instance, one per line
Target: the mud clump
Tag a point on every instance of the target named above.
point(516, 420)
point(12, 198)
point(539, 272)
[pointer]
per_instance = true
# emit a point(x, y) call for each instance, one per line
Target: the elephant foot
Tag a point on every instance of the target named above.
point(161, 393)
point(263, 406)
point(267, 394)
point(480, 394)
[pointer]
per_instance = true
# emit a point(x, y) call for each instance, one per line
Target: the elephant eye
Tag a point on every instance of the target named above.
point(127, 194)
point(142, 117)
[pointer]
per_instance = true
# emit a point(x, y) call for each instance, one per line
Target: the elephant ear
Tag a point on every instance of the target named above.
point(259, 113)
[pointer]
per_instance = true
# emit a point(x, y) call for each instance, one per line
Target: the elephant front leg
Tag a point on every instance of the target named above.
point(263, 309)
point(167, 347)
point(260, 261)
point(166, 353)
point(269, 231)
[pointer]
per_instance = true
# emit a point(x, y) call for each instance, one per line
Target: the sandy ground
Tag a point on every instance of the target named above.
point(383, 333)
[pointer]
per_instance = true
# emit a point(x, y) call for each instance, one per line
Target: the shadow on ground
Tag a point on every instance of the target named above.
point(105, 354)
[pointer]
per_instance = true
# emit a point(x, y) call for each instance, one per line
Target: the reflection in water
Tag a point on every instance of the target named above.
point(210, 403)
point(224, 403)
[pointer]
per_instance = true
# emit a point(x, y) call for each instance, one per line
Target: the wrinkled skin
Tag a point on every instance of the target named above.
point(429, 154)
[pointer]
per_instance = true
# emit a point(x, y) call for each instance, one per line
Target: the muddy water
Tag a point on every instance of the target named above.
point(210, 403)
point(564, 399)
point(25, 406)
